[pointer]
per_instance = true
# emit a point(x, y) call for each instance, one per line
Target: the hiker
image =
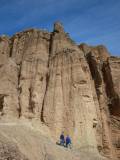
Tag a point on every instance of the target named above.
point(62, 139)
point(68, 141)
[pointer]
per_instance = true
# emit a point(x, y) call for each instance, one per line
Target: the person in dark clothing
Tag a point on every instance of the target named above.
point(62, 139)
point(68, 141)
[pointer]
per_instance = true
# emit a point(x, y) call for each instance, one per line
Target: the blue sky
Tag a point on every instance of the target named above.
point(89, 21)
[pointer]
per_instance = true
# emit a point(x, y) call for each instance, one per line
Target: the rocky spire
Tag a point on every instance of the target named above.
point(58, 27)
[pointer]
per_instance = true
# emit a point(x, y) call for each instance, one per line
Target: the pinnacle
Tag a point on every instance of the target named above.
point(58, 27)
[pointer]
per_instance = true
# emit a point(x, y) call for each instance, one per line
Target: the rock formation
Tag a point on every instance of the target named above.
point(49, 80)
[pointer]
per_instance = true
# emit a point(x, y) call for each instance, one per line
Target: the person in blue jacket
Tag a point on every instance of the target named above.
point(62, 139)
point(68, 141)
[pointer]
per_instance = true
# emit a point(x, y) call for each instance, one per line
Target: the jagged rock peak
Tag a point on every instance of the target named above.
point(58, 27)
point(99, 51)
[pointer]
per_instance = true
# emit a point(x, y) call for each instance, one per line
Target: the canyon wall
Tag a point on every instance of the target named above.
point(47, 77)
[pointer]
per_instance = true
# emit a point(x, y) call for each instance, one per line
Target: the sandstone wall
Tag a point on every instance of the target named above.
point(48, 78)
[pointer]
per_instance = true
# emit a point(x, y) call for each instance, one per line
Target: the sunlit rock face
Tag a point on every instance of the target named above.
point(47, 78)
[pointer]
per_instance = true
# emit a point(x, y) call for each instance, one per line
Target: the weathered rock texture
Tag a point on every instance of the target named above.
point(14, 145)
point(47, 78)
point(9, 150)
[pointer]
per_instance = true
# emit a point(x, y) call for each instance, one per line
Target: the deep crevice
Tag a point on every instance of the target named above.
point(114, 101)
point(19, 90)
point(47, 78)
point(95, 73)
point(1, 102)
point(11, 47)
point(42, 110)
point(31, 103)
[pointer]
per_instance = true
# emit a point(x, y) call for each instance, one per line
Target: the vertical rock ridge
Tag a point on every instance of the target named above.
point(96, 65)
point(47, 77)
point(67, 104)
point(113, 96)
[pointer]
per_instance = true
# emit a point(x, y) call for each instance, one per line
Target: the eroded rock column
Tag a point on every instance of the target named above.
point(69, 104)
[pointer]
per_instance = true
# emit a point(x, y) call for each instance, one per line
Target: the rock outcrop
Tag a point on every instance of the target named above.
point(48, 79)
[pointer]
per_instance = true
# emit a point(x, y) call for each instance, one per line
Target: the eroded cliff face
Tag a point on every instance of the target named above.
point(46, 77)
point(105, 72)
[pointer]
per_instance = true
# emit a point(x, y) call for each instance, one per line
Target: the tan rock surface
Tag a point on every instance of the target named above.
point(113, 91)
point(21, 141)
point(46, 79)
